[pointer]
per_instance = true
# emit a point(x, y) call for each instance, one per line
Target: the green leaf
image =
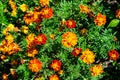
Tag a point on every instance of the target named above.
point(114, 23)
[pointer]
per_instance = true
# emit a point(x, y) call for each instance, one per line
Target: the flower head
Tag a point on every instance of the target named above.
point(87, 56)
point(96, 70)
point(76, 52)
point(117, 13)
point(28, 18)
point(70, 23)
point(25, 29)
point(35, 65)
point(55, 65)
point(4, 76)
point(40, 39)
point(31, 52)
point(100, 19)
point(47, 13)
point(84, 9)
point(69, 39)
point(54, 77)
point(24, 7)
point(113, 55)
point(44, 3)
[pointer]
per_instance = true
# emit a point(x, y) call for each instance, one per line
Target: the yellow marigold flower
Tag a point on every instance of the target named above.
point(25, 29)
point(87, 56)
point(52, 36)
point(117, 13)
point(32, 52)
point(44, 3)
point(10, 27)
point(61, 72)
point(54, 77)
point(14, 13)
point(9, 38)
point(5, 31)
point(100, 19)
point(84, 9)
point(24, 7)
point(96, 70)
point(69, 39)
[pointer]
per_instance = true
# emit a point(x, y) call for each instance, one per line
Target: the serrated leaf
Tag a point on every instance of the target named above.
point(114, 23)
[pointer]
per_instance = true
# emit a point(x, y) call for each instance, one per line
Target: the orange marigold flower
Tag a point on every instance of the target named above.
point(37, 16)
point(69, 39)
point(47, 13)
point(40, 39)
point(30, 39)
point(55, 65)
point(44, 3)
point(28, 18)
point(76, 52)
point(84, 9)
point(24, 7)
point(96, 70)
point(9, 39)
point(4, 76)
point(32, 52)
point(100, 19)
point(2, 57)
point(117, 13)
point(70, 23)
point(87, 56)
point(113, 55)
point(54, 77)
point(35, 65)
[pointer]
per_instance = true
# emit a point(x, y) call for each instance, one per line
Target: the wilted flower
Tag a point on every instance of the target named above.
point(87, 56)
point(40, 39)
point(117, 13)
point(24, 7)
point(113, 55)
point(83, 31)
point(44, 3)
point(70, 23)
point(100, 19)
point(96, 70)
point(76, 52)
point(54, 77)
point(84, 9)
point(47, 13)
point(35, 65)
point(32, 52)
point(55, 65)
point(69, 39)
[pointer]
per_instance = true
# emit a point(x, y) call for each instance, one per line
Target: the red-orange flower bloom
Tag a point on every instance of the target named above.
point(100, 19)
point(55, 65)
point(35, 65)
point(70, 23)
point(47, 13)
point(54, 77)
point(113, 55)
point(117, 13)
point(76, 52)
point(40, 39)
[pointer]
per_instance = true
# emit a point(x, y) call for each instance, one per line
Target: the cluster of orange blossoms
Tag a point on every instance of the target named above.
point(35, 65)
point(113, 55)
point(69, 39)
point(87, 56)
point(8, 46)
point(99, 20)
point(96, 70)
point(44, 3)
point(37, 15)
point(56, 65)
point(32, 41)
